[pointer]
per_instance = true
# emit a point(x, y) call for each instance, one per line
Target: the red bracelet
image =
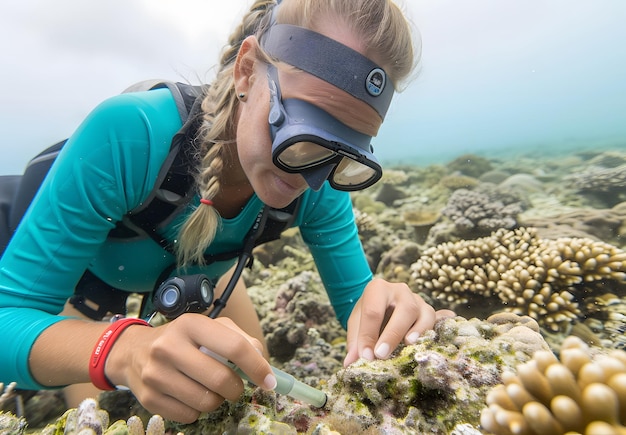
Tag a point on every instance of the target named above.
point(103, 347)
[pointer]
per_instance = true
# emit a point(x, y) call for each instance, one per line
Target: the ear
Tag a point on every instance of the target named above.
point(245, 63)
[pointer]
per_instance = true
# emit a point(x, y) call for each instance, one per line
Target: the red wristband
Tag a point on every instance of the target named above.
point(103, 347)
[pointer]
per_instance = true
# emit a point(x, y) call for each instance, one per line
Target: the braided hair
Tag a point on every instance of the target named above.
point(380, 24)
point(217, 131)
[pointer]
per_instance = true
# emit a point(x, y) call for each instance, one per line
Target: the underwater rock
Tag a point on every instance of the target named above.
point(471, 165)
point(277, 250)
point(394, 264)
point(10, 400)
point(388, 193)
point(525, 183)
point(545, 279)
point(437, 383)
point(494, 176)
point(375, 237)
point(10, 424)
point(609, 159)
point(458, 181)
point(583, 391)
point(607, 184)
point(300, 304)
point(602, 224)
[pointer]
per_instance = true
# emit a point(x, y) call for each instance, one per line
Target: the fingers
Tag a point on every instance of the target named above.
point(409, 320)
point(175, 379)
point(386, 315)
point(228, 341)
point(178, 397)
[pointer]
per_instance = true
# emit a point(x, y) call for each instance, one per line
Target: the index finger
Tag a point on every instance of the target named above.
point(234, 348)
point(373, 311)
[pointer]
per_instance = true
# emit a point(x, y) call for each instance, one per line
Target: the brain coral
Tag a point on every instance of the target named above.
point(543, 278)
point(583, 392)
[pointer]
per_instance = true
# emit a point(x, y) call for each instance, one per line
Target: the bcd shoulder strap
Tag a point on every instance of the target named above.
point(174, 188)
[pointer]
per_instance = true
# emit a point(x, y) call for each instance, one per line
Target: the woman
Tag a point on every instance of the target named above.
point(285, 63)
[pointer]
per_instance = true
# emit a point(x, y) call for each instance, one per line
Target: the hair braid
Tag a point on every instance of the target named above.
point(383, 30)
point(217, 130)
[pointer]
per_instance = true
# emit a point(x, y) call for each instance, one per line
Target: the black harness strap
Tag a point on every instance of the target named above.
point(173, 190)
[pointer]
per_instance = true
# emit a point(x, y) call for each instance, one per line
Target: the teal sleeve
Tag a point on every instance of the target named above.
point(106, 168)
point(328, 227)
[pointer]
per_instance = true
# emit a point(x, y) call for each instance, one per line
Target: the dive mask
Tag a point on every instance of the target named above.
point(307, 139)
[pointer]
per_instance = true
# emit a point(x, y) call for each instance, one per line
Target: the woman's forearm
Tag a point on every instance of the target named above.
point(60, 356)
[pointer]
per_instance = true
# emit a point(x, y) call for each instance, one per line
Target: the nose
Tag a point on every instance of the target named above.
point(316, 175)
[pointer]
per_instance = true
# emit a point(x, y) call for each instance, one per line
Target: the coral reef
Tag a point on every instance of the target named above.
point(300, 304)
point(602, 224)
point(583, 391)
point(10, 424)
point(475, 213)
point(542, 278)
point(89, 419)
point(438, 385)
point(431, 386)
point(546, 272)
point(607, 184)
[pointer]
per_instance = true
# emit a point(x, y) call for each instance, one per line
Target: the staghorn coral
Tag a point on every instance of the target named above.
point(606, 318)
point(542, 278)
point(583, 392)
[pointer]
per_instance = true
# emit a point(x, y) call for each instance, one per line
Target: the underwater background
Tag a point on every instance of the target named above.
point(504, 198)
point(529, 249)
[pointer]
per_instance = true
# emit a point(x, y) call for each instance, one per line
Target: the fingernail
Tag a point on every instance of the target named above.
point(270, 382)
point(368, 354)
point(382, 350)
point(413, 337)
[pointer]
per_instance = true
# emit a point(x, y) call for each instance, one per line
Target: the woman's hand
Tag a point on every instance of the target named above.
point(385, 315)
point(170, 376)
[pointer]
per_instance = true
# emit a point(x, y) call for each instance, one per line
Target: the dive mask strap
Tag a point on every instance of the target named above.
point(332, 62)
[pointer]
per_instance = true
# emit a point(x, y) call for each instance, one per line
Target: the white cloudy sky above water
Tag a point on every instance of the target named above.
point(495, 74)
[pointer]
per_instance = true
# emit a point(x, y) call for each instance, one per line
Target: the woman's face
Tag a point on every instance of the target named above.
point(254, 144)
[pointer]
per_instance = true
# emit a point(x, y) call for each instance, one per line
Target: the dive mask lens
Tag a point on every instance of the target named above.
point(352, 173)
point(302, 155)
point(305, 136)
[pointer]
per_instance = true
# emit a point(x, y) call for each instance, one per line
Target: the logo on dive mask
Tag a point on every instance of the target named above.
point(375, 82)
point(309, 141)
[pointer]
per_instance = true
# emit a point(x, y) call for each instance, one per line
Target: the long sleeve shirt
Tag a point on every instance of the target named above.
point(108, 167)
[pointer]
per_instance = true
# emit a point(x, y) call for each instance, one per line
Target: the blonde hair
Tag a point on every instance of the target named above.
point(383, 29)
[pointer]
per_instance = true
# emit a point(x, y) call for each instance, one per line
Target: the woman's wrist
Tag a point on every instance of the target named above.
point(102, 349)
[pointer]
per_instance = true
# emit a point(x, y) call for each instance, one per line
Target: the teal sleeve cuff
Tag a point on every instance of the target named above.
point(21, 327)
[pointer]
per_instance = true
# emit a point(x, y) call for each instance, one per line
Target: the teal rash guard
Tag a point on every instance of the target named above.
point(108, 167)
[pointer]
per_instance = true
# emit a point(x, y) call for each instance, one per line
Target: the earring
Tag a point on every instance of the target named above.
point(241, 96)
